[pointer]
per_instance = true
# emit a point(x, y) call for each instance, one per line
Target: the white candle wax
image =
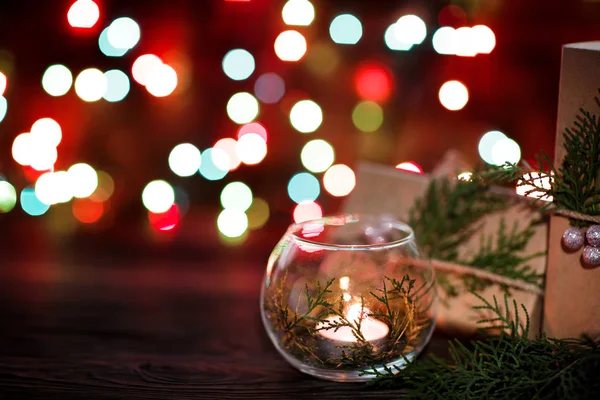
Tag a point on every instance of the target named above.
point(371, 329)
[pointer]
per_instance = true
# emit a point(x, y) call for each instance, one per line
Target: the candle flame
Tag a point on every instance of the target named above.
point(357, 312)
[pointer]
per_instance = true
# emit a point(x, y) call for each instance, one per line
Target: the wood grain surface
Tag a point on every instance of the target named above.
point(142, 329)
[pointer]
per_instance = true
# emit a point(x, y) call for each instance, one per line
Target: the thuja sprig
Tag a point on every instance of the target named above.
point(507, 366)
point(575, 183)
point(501, 254)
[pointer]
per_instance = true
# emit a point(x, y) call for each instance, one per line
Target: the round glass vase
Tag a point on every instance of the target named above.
point(347, 293)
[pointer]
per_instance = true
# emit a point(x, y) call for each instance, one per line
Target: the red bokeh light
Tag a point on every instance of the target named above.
point(373, 82)
point(166, 221)
point(253, 127)
point(410, 166)
point(87, 211)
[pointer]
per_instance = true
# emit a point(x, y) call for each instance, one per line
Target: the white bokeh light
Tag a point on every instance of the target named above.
point(317, 155)
point(46, 132)
point(445, 41)
point(251, 149)
point(43, 156)
point(83, 180)
point(57, 80)
point(242, 108)
point(117, 85)
point(410, 29)
point(158, 196)
point(142, 67)
point(185, 159)
point(83, 14)
point(298, 12)
point(22, 149)
point(161, 80)
point(392, 42)
point(345, 29)
point(487, 142)
point(306, 116)
point(54, 188)
point(483, 38)
point(232, 223)
point(506, 150)
point(123, 33)
point(290, 46)
point(453, 95)
point(90, 85)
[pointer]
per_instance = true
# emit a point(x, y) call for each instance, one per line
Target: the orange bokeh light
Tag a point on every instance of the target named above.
point(87, 211)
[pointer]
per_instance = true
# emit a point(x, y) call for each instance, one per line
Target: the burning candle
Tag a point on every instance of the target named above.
point(333, 339)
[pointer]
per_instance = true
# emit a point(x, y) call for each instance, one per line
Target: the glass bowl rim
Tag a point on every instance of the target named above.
point(348, 217)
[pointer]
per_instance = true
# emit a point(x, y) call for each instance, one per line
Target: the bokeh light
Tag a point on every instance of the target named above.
point(505, 150)
point(307, 211)
point(166, 221)
point(242, 108)
point(445, 40)
point(258, 213)
point(392, 42)
point(367, 116)
point(484, 39)
point(290, 46)
point(8, 197)
point(31, 204)
point(487, 142)
point(238, 64)
point(57, 80)
point(410, 166)
point(298, 12)
point(253, 127)
point(211, 170)
point(46, 132)
point(306, 116)
point(339, 180)
point(108, 49)
point(269, 88)
point(117, 85)
point(90, 85)
point(123, 33)
point(373, 82)
point(345, 29)
point(304, 187)
point(317, 155)
point(236, 196)
point(3, 83)
point(465, 176)
point(83, 180)
point(83, 14)
point(158, 196)
point(465, 42)
point(3, 107)
point(184, 159)
point(22, 149)
point(251, 149)
point(539, 180)
point(43, 156)
point(87, 211)
point(232, 223)
point(454, 95)
point(161, 80)
point(106, 187)
point(322, 59)
point(142, 67)
point(410, 29)
point(228, 145)
point(54, 188)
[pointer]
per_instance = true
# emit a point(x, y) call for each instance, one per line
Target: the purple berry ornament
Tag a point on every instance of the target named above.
point(573, 238)
point(591, 256)
point(593, 235)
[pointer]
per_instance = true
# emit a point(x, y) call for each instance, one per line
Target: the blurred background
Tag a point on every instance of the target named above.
point(188, 127)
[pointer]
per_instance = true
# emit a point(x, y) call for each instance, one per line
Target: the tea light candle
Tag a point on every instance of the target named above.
point(332, 339)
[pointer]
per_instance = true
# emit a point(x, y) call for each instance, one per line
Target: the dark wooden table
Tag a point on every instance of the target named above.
point(146, 328)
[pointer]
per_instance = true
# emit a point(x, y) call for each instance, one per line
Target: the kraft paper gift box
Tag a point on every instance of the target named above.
point(572, 304)
point(386, 190)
